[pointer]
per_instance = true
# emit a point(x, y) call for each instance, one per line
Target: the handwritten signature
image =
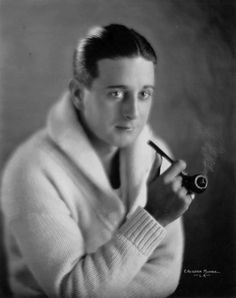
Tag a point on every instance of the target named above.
point(202, 273)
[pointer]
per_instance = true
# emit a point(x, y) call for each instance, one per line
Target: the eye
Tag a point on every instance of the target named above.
point(145, 94)
point(116, 94)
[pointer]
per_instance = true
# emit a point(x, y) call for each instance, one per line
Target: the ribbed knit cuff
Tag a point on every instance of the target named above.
point(143, 231)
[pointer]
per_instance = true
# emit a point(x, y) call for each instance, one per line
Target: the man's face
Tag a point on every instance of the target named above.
point(117, 105)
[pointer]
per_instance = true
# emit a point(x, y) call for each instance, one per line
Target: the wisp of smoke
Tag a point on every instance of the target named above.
point(209, 157)
point(211, 150)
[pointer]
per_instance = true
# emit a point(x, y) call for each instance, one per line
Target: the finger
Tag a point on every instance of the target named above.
point(190, 198)
point(184, 198)
point(182, 193)
point(175, 169)
point(177, 183)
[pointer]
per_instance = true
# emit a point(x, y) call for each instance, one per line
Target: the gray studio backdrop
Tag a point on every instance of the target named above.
point(194, 109)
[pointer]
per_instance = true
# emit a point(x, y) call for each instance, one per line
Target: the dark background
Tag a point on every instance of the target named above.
point(194, 109)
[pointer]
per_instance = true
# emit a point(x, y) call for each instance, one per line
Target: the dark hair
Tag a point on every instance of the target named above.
point(112, 41)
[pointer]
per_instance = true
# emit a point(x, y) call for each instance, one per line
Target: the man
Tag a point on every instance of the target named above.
point(87, 213)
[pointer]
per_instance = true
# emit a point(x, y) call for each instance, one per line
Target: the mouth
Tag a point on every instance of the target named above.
point(125, 128)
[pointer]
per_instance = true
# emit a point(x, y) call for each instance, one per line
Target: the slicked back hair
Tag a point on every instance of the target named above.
point(112, 42)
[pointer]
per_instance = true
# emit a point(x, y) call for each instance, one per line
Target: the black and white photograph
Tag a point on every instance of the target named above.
point(117, 148)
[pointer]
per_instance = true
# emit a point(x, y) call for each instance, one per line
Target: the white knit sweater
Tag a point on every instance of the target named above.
point(67, 232)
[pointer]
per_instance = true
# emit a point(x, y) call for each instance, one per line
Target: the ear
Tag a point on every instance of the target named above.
point(77, 94)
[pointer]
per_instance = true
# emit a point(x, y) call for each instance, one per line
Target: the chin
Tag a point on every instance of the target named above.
point(124, 142)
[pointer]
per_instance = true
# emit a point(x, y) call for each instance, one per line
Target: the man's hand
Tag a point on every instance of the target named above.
point(167, 199)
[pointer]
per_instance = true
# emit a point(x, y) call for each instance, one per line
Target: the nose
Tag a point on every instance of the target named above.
point(130, 108)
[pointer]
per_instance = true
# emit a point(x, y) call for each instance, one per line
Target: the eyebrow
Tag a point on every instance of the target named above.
point(126, 87)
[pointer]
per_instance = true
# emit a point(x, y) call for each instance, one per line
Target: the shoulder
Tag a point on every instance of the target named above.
point(26, 184)
point(29, 160)
point(29, 152)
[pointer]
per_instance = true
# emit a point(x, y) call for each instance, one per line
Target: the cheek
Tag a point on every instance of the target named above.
point(109, 112)
point(98, 106)
point(145, 111)
point(92, 110)
point(99, 116)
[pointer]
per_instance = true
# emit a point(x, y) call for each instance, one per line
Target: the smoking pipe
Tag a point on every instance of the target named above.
point(195, 183)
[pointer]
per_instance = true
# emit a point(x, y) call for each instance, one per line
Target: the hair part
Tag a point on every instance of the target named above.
point(109, 42)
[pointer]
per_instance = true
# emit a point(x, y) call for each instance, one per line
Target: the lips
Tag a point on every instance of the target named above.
point(125, 127)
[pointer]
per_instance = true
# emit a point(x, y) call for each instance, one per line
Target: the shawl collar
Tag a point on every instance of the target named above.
point(135, 160)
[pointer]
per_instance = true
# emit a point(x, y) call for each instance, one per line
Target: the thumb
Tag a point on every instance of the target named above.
point(175, 169)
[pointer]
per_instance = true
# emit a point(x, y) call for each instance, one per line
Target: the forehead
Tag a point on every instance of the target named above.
point(135, 71)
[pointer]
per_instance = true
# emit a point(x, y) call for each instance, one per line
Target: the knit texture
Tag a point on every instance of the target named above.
point(69, 234)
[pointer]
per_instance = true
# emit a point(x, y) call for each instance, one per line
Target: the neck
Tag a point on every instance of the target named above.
point(105, 152)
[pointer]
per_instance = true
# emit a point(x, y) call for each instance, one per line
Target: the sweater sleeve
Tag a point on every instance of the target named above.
point(52, 244)
point(159, 277)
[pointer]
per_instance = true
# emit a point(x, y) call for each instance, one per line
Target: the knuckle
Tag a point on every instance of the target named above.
point(179, 179)
point(182, 199)
point(182, 193)
point(182, 164)
point(173, 187)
